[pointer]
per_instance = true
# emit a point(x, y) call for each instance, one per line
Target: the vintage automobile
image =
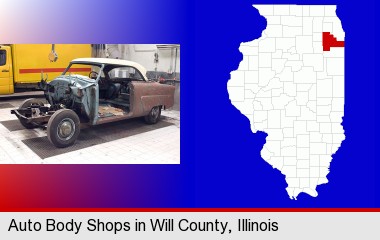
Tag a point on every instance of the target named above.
point(114, 90)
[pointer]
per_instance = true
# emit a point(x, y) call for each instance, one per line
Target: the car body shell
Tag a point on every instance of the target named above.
point(81, 93)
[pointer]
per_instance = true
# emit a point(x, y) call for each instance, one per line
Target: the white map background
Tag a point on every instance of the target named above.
point(291, 89)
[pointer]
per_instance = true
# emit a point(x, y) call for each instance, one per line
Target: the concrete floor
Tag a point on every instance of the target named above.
point(151, 144)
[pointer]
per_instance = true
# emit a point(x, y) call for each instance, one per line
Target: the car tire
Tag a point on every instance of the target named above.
point(63, 128)
point(27, 103)
point(154, 115)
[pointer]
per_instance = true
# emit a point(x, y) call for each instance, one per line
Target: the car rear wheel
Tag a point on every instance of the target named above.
point(154, 115)
point(63, 128)
point(29, 103)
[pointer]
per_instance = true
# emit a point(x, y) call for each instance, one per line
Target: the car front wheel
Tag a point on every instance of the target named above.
point(63, 128)
point(154, 115)
point(28, 103)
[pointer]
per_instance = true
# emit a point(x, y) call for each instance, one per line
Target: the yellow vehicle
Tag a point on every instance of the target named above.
point(21, 65)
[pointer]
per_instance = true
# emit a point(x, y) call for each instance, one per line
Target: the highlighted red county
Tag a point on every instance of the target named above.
point(328, 41)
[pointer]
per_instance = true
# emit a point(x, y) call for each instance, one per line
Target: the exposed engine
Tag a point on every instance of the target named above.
point(66, 91)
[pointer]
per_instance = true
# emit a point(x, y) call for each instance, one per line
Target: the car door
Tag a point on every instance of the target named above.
point(6, 81)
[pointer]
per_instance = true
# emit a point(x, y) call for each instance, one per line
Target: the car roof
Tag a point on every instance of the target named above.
point(112, 61)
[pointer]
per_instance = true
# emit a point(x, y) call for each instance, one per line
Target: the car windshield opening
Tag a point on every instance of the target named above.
point(88, 70)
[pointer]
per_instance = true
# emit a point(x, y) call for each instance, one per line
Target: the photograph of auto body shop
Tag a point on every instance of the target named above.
point(89, 104)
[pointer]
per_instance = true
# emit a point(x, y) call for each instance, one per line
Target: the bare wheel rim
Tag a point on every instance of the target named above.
point(66, 129)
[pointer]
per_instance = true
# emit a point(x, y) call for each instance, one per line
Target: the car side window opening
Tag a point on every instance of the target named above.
point(3, 57)
point(125, 72)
